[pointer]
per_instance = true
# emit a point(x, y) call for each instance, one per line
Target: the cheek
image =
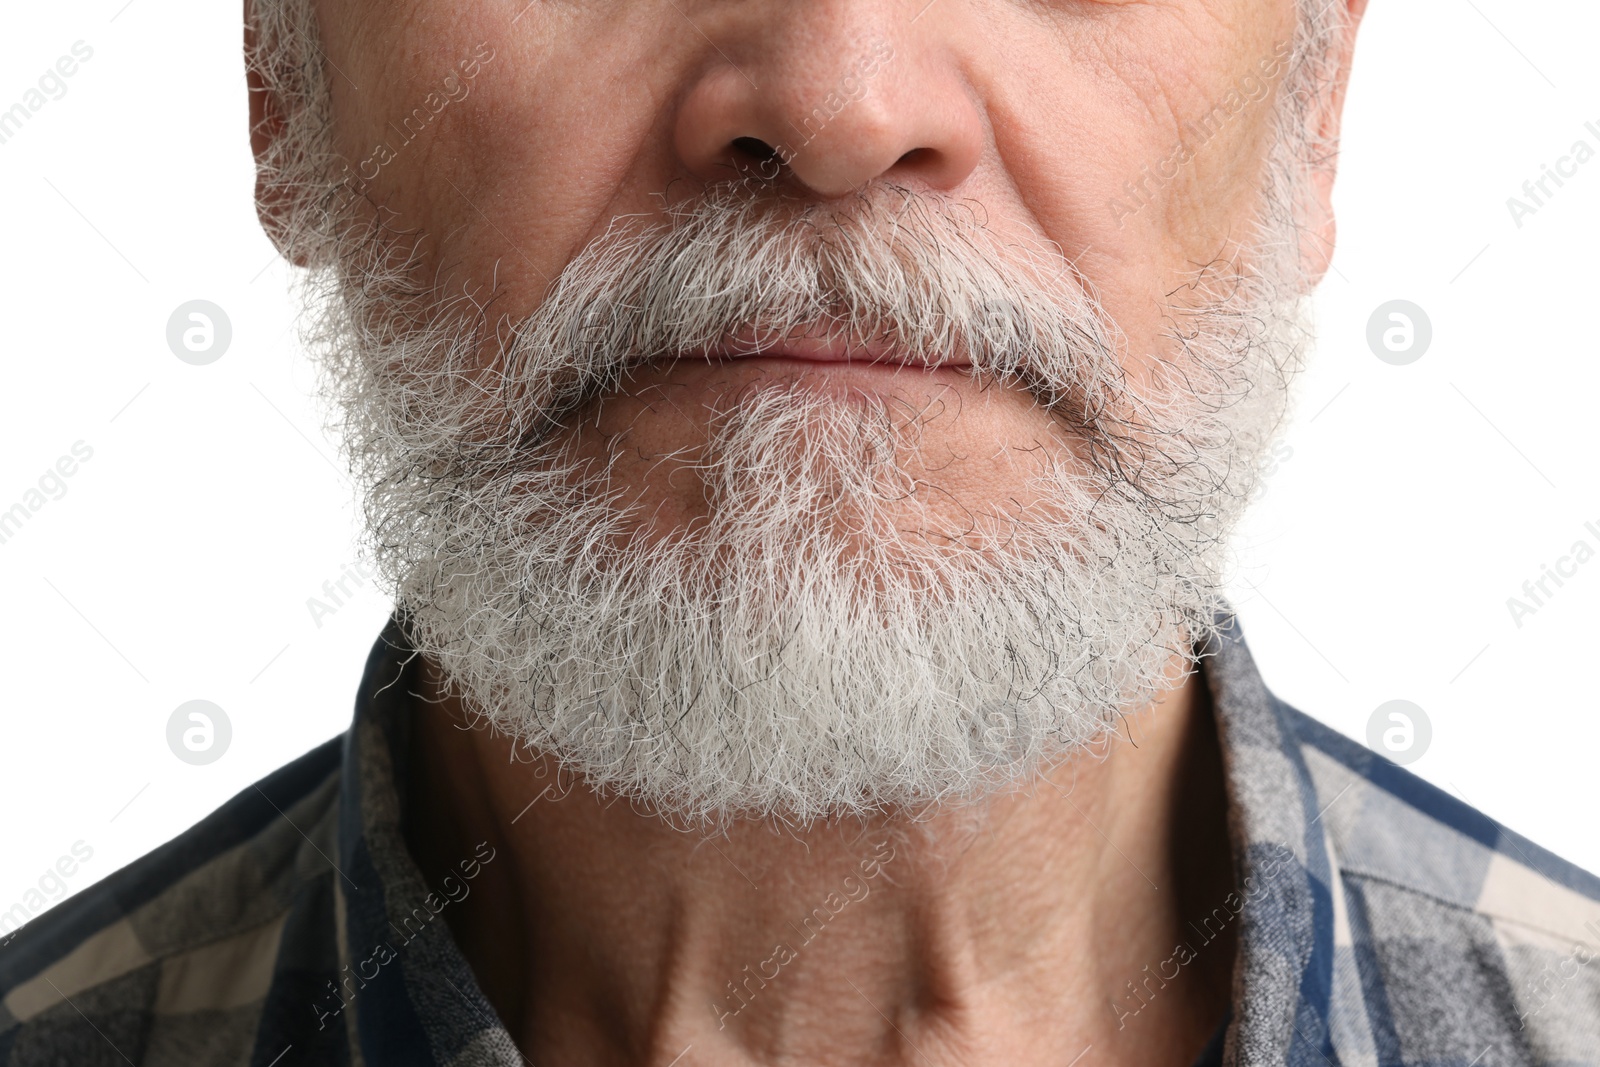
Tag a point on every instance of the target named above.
point(543, 164)
point(1126, 151)
point(542, 145)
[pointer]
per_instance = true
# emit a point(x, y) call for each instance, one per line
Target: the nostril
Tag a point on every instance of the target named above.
point(915, 156)
point(753, 150)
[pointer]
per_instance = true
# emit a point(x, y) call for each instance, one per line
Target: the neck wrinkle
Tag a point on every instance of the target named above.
point(1016, 922)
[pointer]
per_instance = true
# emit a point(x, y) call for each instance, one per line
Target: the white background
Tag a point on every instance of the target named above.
point(178, 565)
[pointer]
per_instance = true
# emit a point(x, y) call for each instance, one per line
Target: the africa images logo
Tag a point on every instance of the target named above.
point(50, 887)
point(1537, 192)
point(1537, 592)
point(52, 485)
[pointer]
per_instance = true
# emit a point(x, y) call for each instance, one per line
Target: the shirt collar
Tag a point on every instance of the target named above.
point(1283, 976)
point(423, 1005)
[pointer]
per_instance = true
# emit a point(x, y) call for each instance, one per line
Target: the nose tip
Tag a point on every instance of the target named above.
point(832, 128)
point(842, 157)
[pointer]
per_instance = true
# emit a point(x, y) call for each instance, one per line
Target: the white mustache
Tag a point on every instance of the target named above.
point(914, 276)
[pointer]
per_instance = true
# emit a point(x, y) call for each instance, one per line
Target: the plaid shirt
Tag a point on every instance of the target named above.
point(1380, 921)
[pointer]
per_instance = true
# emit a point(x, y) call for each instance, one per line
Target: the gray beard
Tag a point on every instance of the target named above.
point(826, 641)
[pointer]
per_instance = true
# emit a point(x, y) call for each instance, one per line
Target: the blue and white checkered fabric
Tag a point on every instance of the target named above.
point(1380, 921)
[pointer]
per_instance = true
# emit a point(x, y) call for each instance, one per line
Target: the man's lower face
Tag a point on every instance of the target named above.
point(662, 532)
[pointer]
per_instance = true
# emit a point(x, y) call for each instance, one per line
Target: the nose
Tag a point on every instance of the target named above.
point(829, 101)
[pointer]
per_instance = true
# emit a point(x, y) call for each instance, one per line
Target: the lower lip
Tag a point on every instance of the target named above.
point(846, 380)
point(810, 362)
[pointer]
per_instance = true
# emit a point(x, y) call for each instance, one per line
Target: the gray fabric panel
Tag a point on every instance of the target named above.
point(1558, 1000)
point(492, 1048)
point(1449, 994)
point(246, 886)
point(106, 1025)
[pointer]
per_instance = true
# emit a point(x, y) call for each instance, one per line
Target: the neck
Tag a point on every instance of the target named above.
point(1016, 930)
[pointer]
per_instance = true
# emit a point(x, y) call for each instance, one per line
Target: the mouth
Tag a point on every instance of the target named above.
point(823, 353)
